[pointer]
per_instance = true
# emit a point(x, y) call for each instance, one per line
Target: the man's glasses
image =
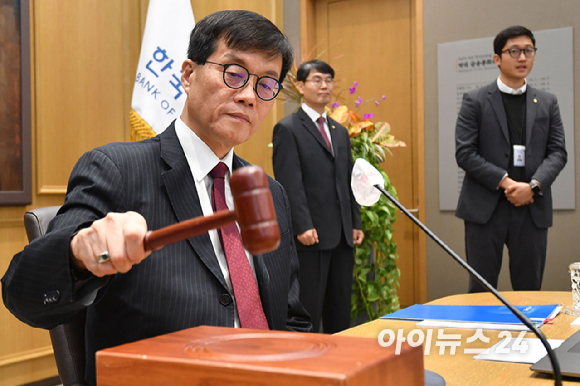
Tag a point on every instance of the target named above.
point(317, 81)
point(236, 76)
point(515, 53)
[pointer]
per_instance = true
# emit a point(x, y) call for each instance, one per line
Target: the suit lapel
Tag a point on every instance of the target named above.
point(313, 129)
point(494, 96)
point(183, 196)
point(531, 110)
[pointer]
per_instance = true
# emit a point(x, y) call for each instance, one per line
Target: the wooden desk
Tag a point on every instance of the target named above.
point(461, 369)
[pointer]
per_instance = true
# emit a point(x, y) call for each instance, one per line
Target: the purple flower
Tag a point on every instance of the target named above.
point(384, 97)
point(334, 105)
point(358, 102)
point(376, 102)
point(369, 115)
point(353, 89)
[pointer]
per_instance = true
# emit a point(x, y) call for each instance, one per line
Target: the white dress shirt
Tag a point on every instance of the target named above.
point(508, 90)
point(313, 114)
point(202, 160)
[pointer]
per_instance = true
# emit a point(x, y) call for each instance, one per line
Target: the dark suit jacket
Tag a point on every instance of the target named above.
point(483, 151)
point(317, 182)
point(177, 287)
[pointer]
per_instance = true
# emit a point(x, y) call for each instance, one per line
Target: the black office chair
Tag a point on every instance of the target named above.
point(68, 340)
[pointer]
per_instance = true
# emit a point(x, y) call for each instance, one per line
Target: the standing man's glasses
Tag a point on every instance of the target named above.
point(236, 76)
point(317, 81)
point(515, 53)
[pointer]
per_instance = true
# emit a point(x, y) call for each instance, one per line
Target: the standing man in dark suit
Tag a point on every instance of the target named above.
point(510, 142)
point(236, 61)
point(313, 162)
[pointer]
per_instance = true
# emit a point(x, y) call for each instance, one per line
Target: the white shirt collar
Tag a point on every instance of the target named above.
point(200, 157)
point(313, 114)
point(508, 90)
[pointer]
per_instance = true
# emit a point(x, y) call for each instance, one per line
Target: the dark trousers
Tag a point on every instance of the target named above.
point(526, 243)
point(326, 286)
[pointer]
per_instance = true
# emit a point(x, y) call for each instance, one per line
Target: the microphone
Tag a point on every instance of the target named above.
point(364, 181)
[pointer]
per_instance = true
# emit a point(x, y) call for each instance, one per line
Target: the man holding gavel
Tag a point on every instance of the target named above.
point(93, 255)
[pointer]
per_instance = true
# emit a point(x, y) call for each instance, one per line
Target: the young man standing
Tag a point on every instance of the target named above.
point(510, 142)
point(313, 162)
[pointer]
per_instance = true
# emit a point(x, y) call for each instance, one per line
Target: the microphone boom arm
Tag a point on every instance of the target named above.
point(525, 320)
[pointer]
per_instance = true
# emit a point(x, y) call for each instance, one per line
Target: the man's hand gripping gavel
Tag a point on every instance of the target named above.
point(121, 240)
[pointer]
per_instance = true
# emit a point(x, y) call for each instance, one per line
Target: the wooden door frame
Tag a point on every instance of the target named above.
point(308, 34)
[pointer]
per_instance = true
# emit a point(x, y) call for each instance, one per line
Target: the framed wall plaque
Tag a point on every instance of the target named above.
point(15, 112)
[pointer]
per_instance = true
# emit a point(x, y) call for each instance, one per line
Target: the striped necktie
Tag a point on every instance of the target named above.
point(320, 121)
point(247, 297)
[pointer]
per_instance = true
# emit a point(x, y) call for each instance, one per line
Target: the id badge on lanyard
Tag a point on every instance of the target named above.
point(519, 155)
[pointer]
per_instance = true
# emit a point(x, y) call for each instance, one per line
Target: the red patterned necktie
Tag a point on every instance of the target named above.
point(320, 121)
point(246, 293)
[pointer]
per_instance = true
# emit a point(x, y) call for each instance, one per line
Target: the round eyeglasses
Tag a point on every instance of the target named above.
point(236, 76)
point(515, 52)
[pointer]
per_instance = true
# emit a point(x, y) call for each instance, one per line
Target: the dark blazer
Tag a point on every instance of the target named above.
point(177, 287)
point(483, 151)
point(317, 182)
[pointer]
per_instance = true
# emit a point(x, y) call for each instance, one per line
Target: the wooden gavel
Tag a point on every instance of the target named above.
point(254, 211)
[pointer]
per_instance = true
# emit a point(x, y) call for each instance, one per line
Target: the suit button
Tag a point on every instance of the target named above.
point(51, 297)
point(226, 300)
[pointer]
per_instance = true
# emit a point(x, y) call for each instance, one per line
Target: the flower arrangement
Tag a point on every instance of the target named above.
point(376, 275)
point(363, 128)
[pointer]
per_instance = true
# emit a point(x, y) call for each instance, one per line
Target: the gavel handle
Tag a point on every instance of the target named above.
point(183, 230)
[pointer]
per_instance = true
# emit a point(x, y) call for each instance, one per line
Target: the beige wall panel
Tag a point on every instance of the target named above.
point(272, 9)
point(418, 122)
point(381, 69)
point(308, 23)
point(80, 89)
point(39, 364)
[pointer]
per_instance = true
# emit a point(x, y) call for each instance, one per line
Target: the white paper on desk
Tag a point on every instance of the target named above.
point(575, 322)
point(534, 352)
point(474, 326)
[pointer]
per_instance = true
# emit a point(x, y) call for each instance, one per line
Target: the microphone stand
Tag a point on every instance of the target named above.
point(525, 320)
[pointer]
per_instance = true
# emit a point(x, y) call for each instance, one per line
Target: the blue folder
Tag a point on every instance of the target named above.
point(477, 314)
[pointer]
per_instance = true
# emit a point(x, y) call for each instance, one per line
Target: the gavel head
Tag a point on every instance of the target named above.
point(255, 210)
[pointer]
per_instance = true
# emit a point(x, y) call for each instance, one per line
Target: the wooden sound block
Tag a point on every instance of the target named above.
point(227, 356)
